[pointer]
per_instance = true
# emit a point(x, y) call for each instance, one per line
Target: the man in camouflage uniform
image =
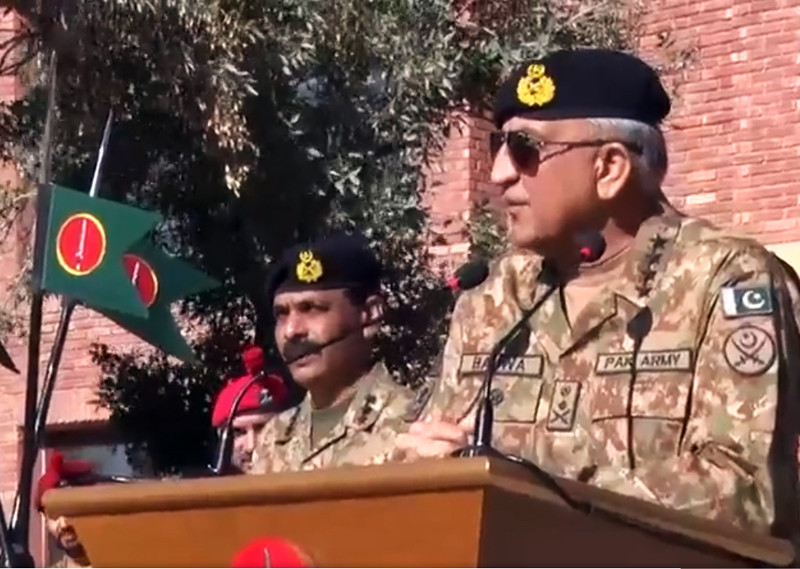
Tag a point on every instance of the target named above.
point(328, 292)
point(702, 423)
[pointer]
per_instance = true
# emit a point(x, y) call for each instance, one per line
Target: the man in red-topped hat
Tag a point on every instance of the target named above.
point(265, 396)
point(61, 472)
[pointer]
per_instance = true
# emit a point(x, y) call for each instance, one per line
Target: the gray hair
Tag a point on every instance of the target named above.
point(651, 164)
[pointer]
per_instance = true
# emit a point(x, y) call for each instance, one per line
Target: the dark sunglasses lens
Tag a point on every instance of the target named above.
point(522, 150)
point(496, 141)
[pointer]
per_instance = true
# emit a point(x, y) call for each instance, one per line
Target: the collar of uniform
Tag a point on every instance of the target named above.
point(286, 422)
point(524, 268)
point(641, 271)
point(646, 259)
point(624, 295)
point(373, 393)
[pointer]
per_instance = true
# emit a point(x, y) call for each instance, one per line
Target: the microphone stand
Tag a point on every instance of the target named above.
point(222, 464)
point(591, 246)
point(637, 329)
point(484, 418)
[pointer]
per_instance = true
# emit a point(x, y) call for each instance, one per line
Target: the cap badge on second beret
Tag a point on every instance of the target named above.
point(309, 268)
point(536, 88)
point(264, 397)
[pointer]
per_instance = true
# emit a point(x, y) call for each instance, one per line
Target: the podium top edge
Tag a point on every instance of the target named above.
point(429, 475)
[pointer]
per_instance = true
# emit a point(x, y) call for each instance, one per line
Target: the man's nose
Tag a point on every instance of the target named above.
point(504, 172)
point(250, 440)
point(295, 326)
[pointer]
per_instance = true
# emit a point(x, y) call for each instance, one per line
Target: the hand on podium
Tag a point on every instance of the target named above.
point(433, 438)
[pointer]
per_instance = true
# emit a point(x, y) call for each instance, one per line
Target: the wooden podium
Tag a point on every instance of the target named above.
point(433, 513)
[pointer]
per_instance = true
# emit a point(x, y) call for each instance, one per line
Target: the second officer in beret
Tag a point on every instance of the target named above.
point(327, 308)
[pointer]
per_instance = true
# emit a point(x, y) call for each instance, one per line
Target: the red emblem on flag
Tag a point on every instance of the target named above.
point(81, 244)
point(143, 277)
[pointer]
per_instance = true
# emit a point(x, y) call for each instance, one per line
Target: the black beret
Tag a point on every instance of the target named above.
point(336, 261)
point(583, 83)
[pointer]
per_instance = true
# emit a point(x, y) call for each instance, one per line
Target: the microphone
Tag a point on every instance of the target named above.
point(591, 247)
point(484, 418)
point(469, 275)
point(639, 327)
point(271, 551)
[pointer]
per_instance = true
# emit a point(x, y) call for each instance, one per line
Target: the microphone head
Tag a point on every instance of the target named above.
point(641, 324)
point(591, 246)
point(469, 275)
point(270, 552)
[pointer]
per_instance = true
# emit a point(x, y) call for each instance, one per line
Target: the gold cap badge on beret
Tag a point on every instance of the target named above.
point(535, 88)
point(308, 268)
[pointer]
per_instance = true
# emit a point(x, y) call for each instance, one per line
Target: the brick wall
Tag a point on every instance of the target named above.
point(733, 135)
point(734, 138)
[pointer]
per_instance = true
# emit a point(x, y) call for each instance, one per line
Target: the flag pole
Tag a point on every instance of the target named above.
point(20, 519)
point(67, 307)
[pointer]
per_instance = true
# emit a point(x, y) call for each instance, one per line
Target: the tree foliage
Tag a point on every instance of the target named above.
point(252, 125)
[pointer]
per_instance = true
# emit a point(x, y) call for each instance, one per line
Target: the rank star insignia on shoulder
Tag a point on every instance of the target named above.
point(746, 301)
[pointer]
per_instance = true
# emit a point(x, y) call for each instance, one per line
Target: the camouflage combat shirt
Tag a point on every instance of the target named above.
point(694, 429)
point(364, 436)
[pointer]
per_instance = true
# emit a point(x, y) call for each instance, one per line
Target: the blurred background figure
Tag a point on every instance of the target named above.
point(266, 396)
point(61, 472)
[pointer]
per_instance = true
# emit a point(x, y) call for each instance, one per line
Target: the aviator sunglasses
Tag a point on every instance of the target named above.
point(526, 151)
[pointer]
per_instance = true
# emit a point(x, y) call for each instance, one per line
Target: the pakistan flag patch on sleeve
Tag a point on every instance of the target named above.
point(746, 301)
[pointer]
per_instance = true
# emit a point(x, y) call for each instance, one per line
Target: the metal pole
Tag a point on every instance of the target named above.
point(22, 505)
point(67, 307)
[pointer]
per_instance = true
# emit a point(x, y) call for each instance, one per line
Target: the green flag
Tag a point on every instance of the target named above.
point(80, 244)
point(160, 280)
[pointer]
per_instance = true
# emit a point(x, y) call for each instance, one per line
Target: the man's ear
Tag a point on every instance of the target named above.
point(372, 315)
point(613, 168)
